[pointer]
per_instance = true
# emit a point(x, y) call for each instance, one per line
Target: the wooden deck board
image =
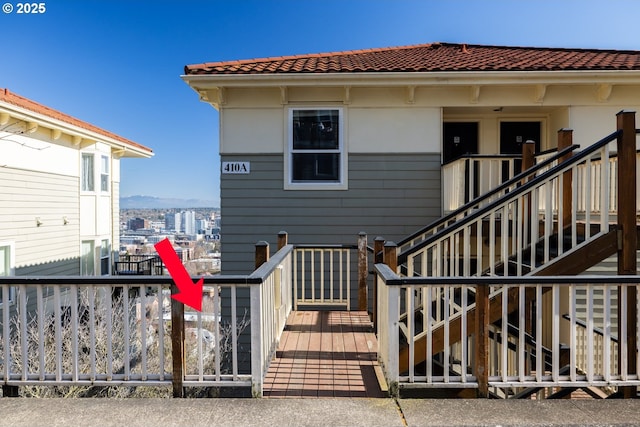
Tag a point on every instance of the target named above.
point(325, 354)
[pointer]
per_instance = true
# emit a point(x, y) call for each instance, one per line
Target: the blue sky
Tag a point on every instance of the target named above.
point(117, 64)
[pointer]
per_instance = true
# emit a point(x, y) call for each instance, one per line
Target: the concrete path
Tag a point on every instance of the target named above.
point(17, 412)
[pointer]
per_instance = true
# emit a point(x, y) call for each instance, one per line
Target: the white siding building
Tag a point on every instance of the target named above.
point(59, 191)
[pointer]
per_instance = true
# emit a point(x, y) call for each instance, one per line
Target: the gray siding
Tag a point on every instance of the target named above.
point(389, 195)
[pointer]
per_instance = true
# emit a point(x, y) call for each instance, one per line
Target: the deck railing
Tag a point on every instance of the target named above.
point(434, 321)
point(149, 265)
point(124, 331)
point(64, 331)
point(127, 331)
point(323, 275)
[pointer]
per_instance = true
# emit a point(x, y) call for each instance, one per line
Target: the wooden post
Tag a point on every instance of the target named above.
point(283, 239)
point(262, 253)
point(378, 258)
point(565, 139)
point(363, 294)
point(627, 264)
point(481, 366)
point(177, 343)
point(390, 256)
point(528, 155)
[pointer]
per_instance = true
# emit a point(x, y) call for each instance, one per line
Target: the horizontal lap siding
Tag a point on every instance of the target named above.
point(389, 195)
point(53, 248)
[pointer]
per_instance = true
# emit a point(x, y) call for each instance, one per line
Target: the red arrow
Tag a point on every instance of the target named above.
point(189, 295)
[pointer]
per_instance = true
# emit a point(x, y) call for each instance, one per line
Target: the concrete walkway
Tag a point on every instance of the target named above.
point(17, 412)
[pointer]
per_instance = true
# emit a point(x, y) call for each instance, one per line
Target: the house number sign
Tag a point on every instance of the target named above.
point(236, 167)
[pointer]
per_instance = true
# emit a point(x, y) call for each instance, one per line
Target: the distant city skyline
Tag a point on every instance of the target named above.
point(117, 64)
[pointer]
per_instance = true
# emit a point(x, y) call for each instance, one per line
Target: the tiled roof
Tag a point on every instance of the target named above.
point(430, 58)
point(12, 98)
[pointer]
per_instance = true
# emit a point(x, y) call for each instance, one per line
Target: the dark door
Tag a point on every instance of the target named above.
point(459, 138)
point(514, 134)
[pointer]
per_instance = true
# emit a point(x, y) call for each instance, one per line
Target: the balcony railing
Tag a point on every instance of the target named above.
point(148, 265)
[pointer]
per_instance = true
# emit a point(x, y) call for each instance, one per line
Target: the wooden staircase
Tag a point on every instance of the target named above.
point(579, 246)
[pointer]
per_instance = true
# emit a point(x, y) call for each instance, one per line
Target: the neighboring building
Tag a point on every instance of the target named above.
point(59, 191)
point(201, 226)
point(325, 146)
point(172, 222)
point(137, 223)
point(188, 221)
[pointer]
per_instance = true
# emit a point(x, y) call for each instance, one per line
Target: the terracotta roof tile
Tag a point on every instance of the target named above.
point(431, 57)
point(12, 98)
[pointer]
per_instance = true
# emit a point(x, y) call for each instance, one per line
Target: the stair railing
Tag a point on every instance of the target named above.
point(521, 231)
point(484, 199)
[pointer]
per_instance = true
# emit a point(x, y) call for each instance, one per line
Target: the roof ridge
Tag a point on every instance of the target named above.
point(36, 107)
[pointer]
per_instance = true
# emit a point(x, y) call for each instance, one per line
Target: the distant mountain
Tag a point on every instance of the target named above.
point(150, 202)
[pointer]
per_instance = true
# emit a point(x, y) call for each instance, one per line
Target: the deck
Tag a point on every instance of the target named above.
point(325, 354)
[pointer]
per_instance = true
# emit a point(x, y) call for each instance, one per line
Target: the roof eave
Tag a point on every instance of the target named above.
point(431, 78)
point(123, 148)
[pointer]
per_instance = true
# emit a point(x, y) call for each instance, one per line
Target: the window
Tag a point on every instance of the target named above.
point(316, 157)
point(87, 173)
point(104, 173)
point(105, 257)
point(87, 258)
point(6, 269)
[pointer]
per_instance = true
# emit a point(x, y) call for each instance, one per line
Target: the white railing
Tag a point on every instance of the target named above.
point(545, 161)
point(125, 330)
point(271, 303)
point(428, 339)
point(323, 275)
point(84, 332)
point(118, 331)
point(522, 231)
point(470, 176)
point(589, 172)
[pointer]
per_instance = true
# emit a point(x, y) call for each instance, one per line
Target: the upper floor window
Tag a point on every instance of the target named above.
point(316, 156)
point(87, 173)
point(104, 173)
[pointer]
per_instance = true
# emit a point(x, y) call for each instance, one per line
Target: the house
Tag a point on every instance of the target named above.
point(59, 191)
point(325, 146)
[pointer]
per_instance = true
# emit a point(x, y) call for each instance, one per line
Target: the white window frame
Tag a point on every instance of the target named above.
point(11, 260)
point(342, 184)
point(87, 177)
point(104, 173)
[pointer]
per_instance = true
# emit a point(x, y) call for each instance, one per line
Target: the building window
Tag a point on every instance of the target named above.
point(87, 172)
point(105, 257)
point(87, 258)
point(6, 269)
point(316, 157)
point(104, 173)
